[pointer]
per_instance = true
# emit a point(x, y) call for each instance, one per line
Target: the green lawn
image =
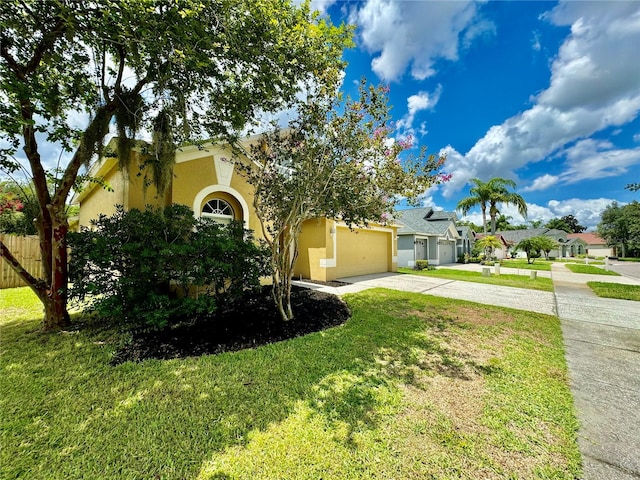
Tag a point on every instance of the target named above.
point(506, 280)
point(578, 268)
point(616, 290)
point(412, 387)
point(538, 264)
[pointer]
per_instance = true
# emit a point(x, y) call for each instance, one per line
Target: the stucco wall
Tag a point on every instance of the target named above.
point(130, 194)
point(312, 248)
point(196, 180)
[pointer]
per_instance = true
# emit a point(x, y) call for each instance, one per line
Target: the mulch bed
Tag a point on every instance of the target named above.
point(249, 323)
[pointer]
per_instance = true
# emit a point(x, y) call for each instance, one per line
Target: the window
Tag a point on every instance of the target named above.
point(218, 209)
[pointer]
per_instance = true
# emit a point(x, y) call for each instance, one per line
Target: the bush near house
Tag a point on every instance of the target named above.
point(154, 267)
point(421, 265)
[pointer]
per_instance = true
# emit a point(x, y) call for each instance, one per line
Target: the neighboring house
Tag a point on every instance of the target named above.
point(464, 244)
point(592, 243)
point(499, 253)
point(207, 179)
point(513, 237)
point(426, 234)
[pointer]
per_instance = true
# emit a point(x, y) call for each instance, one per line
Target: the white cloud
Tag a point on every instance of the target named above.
point(541, 183)
point(535, 41)
point(416, 103)
point(597, 159)
point(416, 34)
point(594, 85)
point(587, 211)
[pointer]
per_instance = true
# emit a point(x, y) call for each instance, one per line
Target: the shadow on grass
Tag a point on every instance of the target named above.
point(69, 411)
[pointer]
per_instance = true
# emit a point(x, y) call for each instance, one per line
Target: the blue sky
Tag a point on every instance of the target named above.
point(544, 93)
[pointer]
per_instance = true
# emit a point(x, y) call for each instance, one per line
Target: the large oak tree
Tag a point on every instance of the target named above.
point(179, 69)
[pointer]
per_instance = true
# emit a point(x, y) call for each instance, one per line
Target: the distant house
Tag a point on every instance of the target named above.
point(427, 234)
point(513, 237)
point(464, 244)
point(500, 253)
point(592, 243)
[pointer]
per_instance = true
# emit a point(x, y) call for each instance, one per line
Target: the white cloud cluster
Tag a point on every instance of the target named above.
point(416, 103)
point(587, 211)
point(594, 85)
point(416, 34)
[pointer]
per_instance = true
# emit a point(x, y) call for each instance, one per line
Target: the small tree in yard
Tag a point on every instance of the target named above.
point(335, 160)
point(530, 246)
point(546, 244)
point(489, 243)
point(180, 69)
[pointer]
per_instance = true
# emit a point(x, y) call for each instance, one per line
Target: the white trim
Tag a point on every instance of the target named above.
point(197, 202)
point(224, 169)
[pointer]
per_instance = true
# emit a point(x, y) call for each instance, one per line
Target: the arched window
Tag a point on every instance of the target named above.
point(219, 210)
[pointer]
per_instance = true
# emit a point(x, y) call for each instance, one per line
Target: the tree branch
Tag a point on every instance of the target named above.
point(36, 284)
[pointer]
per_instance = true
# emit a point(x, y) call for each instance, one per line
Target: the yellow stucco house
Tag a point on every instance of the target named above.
point(207, 180)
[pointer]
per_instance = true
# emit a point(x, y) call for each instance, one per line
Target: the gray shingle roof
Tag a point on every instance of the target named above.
point(516, 236)
point(424, 220)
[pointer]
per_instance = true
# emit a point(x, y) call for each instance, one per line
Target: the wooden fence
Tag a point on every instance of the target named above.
point(27, 251)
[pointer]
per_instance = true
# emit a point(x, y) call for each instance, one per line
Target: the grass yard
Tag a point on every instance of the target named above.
point(506, 280)
point(616, 290)
point(539, 264)
point(578, 268)
point(411, 387)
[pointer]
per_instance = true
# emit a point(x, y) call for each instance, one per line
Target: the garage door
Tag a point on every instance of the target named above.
point(362, 252)
point(447, 250)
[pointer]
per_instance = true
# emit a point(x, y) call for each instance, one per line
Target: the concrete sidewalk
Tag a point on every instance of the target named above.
point(602, 345)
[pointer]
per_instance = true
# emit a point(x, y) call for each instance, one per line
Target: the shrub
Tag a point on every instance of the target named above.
point(141, 266)
point(421, 265)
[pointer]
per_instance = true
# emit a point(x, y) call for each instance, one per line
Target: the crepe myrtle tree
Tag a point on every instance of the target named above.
point(336, 159)
point(181, 70)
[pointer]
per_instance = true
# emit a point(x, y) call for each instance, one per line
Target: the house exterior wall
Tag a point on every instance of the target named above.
point(600, 251)
point(315, 244)
point(199, 177)
point(406, 251)
point(126, 189)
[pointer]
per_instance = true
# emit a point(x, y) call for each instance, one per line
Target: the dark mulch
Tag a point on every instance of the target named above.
point(252, 322)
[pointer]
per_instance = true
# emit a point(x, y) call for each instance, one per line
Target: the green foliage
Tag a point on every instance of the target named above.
point(620, 227)
point(129, 265)
point(546, 244)
point(421, 265)
point(335, 160)
point(488, 244)
point(534, 247)
point(490, 194)
point(183, 70)
point(568, 223)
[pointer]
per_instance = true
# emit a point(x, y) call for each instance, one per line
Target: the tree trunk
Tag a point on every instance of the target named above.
point(56, 315)
point(52, 290)
point(284, 253)
point(484, 219)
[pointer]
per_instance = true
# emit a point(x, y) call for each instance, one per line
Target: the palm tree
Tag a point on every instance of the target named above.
point(499, 193)
point(480, 195)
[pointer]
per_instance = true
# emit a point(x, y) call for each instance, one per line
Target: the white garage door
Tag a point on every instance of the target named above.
point(447, 250)
point(362, 252)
